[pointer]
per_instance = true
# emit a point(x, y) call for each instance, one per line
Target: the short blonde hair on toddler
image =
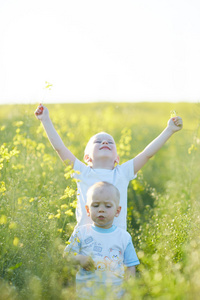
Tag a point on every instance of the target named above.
point(103, 185)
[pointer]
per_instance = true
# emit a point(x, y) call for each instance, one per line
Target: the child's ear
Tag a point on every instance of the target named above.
point(87, 210)
point(117, 159)
point(118, 211)
point(87, 159)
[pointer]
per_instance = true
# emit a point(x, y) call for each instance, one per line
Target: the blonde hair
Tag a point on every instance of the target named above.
point(103, 185)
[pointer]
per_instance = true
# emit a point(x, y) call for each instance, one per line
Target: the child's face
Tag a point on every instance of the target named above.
point(101, 146)
point(102, 206)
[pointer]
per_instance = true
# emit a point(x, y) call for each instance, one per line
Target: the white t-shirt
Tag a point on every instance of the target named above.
point(110, 250)
point(87, 176)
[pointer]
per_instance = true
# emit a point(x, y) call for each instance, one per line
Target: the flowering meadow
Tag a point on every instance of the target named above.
point(38, 199)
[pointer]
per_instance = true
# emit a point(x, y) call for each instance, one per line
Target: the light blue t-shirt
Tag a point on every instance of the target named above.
point(111, 249)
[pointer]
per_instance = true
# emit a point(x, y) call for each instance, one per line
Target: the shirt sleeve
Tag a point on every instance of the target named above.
point(128, 169)
point(79, 168)
point(130, 256)
point(74, 243)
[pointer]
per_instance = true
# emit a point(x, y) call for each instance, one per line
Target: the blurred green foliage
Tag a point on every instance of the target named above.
point(38, 198)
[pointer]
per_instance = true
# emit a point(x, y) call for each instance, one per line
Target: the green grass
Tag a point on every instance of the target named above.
point(37, 198)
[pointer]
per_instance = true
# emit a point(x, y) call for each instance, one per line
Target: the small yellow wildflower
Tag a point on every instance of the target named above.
point(73, 204)
point(13, 225)
point(41, 147)
point(48, 85)
point(51, 216)
point(57, 216)
point(173, 114)
point(16, 241)
point(69, 212)
point(3, 219)
point(2, 187)
point(18, 130)
point(64, 206)
point(192, 148)
point(18, 123)
point(18, 167)
point(19, 200)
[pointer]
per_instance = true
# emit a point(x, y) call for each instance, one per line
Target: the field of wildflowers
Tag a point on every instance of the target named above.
point(38, 199)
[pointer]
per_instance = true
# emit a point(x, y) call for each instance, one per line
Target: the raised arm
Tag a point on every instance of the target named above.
point(42, 114)
point(174, 124)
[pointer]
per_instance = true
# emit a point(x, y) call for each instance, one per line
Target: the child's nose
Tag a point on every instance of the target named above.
point(104, 142)
point(101, 208)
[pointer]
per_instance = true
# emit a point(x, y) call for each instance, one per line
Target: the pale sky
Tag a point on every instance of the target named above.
point(105, 50)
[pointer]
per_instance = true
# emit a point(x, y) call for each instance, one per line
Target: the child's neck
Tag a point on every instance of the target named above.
point(103, 164)
point(103, 227)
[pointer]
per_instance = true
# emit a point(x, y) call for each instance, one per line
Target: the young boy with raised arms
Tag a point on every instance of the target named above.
point(104, 252)
point(101, 157)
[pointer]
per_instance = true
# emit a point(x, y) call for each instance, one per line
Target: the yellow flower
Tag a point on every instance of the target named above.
point(19, 200)
point(18, 123)
point(192, 148)
point(64, 206)
point(69, 212)
point(173, 114)
point(2, 187)
point(51, 216)
point(18, 167)
point(16, 241)
point(73, 204)
point(41, 147)
point(3, 219)
point(17, 130)
point(13, 225)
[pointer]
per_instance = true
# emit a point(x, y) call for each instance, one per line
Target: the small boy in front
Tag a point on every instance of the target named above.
point(103, 251)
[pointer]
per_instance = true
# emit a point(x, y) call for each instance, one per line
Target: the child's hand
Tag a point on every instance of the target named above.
point(175, 124)
point(41, 112)
point(87, 263)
